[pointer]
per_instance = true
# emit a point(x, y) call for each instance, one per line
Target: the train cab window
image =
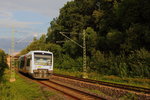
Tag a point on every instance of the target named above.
point(41, 59)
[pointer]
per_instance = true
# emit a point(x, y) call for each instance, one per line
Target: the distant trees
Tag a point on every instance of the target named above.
point(117, 37)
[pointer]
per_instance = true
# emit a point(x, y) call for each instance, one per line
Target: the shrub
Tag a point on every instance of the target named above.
point(136, 64)
point(3, 64)
point(139, 63)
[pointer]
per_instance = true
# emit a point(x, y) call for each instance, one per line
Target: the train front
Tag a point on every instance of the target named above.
point(43, 65)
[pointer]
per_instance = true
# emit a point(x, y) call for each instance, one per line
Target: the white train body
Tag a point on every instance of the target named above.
point(38, 64)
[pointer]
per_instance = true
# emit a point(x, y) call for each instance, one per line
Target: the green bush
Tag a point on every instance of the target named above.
point(67, 63)
point(136, 64)
point(139, 63)
point(3, 64)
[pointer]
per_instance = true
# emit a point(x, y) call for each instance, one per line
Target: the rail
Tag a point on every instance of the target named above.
point(66, 90)
point(121, 86)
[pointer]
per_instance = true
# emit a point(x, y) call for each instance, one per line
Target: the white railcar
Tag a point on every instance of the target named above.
point(38, 64)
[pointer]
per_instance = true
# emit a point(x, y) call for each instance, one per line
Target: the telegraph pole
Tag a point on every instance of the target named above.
point(12, 66)
point(84, 56)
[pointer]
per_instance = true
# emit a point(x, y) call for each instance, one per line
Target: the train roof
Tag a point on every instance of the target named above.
point(40, 51)
point(37, 51)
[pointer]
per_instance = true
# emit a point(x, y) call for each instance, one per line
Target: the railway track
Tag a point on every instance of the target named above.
point(72, 92)
point(120, 86)
point(67, 91)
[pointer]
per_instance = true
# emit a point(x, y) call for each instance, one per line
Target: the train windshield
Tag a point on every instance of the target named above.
point(43, 59)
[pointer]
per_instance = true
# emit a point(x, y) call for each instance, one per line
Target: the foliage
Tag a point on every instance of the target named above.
point(67, 63)
point(138, 63)
point(3, 64)
point(134, 65)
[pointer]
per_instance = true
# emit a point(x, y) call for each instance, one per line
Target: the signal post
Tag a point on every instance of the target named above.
point(12, 63)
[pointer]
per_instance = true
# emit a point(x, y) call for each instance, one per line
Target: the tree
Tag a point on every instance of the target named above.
point(3, 64)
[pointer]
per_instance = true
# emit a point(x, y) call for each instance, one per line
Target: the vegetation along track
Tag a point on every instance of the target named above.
point(121, 86)
point(72, 92)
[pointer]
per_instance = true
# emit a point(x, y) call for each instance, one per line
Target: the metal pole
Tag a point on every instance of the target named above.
point(12, 68)
point(84, 56)
point(9, 63)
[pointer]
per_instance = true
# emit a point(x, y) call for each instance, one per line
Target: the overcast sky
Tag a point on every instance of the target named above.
point(27, 18)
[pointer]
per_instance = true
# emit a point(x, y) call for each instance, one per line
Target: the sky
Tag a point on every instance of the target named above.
point(26, 19)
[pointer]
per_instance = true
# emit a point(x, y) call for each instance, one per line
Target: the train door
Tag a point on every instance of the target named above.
point(21, 63)
point(28, 63)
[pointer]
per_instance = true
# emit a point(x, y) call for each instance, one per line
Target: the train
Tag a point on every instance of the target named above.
point(37, 64)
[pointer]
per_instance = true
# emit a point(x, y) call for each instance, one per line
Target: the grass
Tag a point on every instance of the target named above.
point(23, 90)
point(139, 82)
